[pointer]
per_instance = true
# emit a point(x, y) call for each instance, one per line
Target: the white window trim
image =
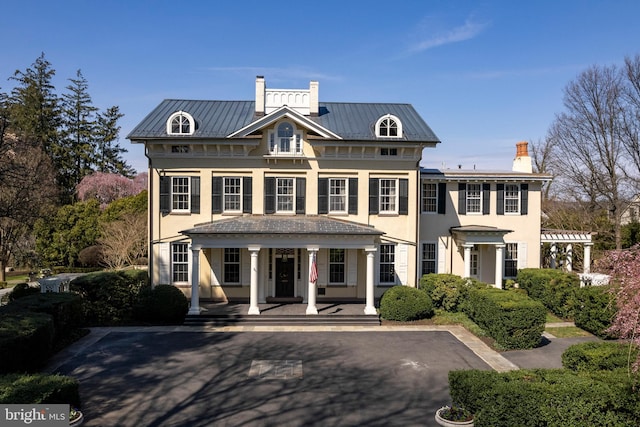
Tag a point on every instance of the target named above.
point(224, 195)
point(379, 264)
point(391, 117)
point(517, 199)
point(505, 259)
point(188, 208)
point(479, 212)
point(225, 263)
point(293, 151)
point(344, 268)
point(189, 117)
point(422, 198)
point(396, 196)
point(435, 258)
point(293, 196)
point(188, 263)
point(346, 196)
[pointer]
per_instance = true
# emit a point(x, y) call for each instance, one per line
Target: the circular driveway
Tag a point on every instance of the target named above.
point(196, 378)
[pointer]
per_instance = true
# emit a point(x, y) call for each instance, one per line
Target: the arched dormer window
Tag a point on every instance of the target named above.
point(389, 126)
point(181, 123)
point(285, 139)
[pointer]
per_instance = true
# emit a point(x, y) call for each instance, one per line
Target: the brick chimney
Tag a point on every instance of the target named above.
point(522, 162)
point(260, 95)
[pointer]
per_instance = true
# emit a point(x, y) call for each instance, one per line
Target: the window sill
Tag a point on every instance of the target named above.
point(388, 214)
point(386, 285)
point(231, 213)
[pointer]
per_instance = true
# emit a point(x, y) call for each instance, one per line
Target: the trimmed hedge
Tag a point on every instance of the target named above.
point(39, 389)
point(109, 296)
point(596, 308)
point(448, 291)
point(22, 290)
point(26, 340)
point(545, 397)
point(597, 356)
point(554, 288)
point(513, 319)
point(404, 303)
point(164, 303)
point(64, 307)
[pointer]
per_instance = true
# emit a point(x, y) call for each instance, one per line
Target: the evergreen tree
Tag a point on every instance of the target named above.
point(109, 152)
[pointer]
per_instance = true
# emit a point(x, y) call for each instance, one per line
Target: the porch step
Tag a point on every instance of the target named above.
point(281, 320)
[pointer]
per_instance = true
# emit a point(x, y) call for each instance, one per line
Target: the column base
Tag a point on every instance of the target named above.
point(370, 310)
point(194, 310)
point(311, 310)
point(254, 310)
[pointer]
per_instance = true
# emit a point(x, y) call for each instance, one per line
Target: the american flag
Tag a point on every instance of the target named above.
point(313, 270)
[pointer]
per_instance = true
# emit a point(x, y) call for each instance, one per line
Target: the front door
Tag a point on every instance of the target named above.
point(284, 277)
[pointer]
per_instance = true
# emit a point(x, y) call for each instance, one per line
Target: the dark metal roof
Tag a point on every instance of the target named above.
point(470, 174)
point(272, 224)
point(218, 119)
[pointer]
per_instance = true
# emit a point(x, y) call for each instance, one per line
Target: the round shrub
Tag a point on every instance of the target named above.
point(22, 290)
point(595, 309)
point(164, 303)
point(403, 303)
point(597, 356)
point(26, 340)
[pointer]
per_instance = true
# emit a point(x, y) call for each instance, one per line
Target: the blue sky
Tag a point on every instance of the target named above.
point(483, 74)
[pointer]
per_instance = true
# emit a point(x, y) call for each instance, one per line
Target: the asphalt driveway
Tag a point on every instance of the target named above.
point(388, 378)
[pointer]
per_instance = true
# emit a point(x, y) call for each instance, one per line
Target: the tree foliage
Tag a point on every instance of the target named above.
point(108, 187)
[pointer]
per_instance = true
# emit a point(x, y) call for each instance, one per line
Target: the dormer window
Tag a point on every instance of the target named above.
point(285, 140)
point(181, 123)
point(389, 127)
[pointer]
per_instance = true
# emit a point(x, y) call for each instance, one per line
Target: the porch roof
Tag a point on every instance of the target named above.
point(479, 234)
point(284, 225)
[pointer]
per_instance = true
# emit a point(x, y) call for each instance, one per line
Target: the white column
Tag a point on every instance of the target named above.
point(467, 260)
point(253, 294)
point(499, 265)
point(569, 253)
point(195, 281)
point(554, 251)
point(369, 307)
point(587, 257)
point(311, 297)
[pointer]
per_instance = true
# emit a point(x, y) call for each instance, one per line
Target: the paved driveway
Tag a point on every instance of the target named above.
point(392, 378)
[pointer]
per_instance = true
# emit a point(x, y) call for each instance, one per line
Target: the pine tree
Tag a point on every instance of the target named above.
point(109, 152)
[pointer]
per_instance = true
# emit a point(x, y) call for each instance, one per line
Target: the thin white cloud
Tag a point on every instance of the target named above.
point(468, 31)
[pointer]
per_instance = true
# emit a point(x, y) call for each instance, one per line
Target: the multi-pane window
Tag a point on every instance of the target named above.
point(428, 258)
point(388, 195)
point(336, 266)
point(387, 264)
point(512, 198)
point(180, 124)
point(429, 197)
point(474, 262)
point(232, 194)
point(337, 195)
point(180, 193)
point(285, 140)
point(474, 198)
point(285, 194)
point(232, 265)
point(511, 260)
point(388, 127)
point(180, 262)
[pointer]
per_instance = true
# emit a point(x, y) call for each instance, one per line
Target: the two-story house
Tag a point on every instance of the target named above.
point(289, 198)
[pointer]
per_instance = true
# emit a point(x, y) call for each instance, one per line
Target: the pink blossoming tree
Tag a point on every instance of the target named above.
point(624, 268)
point(107, 187)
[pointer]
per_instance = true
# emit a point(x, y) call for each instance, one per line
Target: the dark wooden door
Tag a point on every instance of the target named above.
point(284, 277)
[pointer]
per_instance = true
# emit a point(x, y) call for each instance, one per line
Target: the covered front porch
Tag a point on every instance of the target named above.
point(284, 258)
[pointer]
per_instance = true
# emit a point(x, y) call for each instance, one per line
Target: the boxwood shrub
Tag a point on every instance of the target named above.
point(38, 389)
point(404, 303)
point(595, 356)
point(65, 308)
point(513, 319)
point(596, 309)
point(448, 291)
point(26, 340)
point(546, 397)
point(109, 296)
point(22, 290)
point(554, 288)
point(164, 303)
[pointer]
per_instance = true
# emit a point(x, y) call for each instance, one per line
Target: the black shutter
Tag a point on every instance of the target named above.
point(195, 194)
point(165, 194)
point(442, 197)
point(500, 199)
point(462, 198)
point(353, 196)
point(373, 196)
point(524, 199)
point(247, 194)
point(323, 195)
point(486, 199)
point(403, 205)
point(301, 188)
point(269, 195)
point(216, 194)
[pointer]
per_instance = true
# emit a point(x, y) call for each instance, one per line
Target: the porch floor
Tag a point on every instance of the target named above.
point(232, 309)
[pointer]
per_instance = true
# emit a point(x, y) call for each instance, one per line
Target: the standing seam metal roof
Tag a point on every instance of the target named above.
point(217, 119)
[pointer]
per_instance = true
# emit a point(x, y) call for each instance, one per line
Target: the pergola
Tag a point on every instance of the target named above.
point(568, 238)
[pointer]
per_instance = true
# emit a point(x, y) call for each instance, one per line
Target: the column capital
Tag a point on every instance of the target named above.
point(371, 250)
point(254, 249)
